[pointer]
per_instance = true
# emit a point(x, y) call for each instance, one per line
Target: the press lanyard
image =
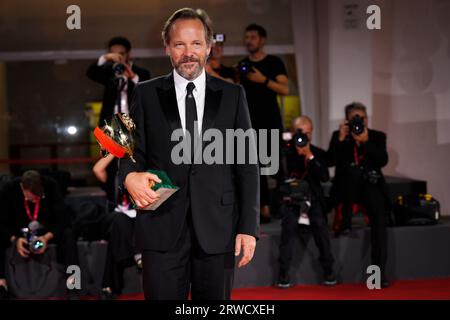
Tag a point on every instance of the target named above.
point(36, 209)
point(358, 158)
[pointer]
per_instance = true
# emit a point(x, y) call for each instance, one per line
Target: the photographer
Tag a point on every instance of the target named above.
point(34, 202)
point(263, 77)
point(214, 66)
point(121, 252)
point(117, 73)
point(359, 153)
point(304, 200)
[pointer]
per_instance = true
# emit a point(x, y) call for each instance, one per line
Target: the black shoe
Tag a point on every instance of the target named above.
point(283, 281)
point(344, 232)
point(4, 293)
point(74, 294)
point(329, 279)
point(107, 295)
point(139, 266)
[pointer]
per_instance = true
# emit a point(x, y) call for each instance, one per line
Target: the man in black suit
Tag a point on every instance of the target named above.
point(103, 72)
point(308, 166)
point(359, 153)
point(193, 237)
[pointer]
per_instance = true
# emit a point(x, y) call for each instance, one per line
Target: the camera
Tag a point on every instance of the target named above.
point(219, 37)
point(30, 234)
point(356, 125)
point(372, 176)
point(300, 139)
point(118, 68)
point(290, 141)
point(296, 192)
point(245, 67)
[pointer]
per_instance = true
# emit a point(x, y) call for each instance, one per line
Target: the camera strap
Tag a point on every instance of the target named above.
point(304, 172)
point(358, 158)
point(36, 209)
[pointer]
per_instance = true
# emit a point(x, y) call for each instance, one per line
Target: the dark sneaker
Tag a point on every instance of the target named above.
point(107, 295)
point(330, 279)
point(344, 232)
point(4, 293)
point(385, 283)
point(74, 294)
point(283, 281)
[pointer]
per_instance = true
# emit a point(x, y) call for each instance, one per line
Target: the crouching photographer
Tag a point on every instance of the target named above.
point(33, 215)
point(304, 201)
point(359, 153)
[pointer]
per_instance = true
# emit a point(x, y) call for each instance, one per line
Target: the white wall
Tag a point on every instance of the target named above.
point(402, 74)
point(411, 91)
point(349, 61)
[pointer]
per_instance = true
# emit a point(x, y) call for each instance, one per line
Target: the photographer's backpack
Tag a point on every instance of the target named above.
point(420, 209)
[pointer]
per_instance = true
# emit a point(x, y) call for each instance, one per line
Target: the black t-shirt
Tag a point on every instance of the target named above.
point(262, 102)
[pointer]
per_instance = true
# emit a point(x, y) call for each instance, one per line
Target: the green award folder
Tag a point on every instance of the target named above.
point(165, 189)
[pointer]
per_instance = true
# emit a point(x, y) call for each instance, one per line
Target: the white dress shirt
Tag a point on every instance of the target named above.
point(124, 94)
point(199, 96)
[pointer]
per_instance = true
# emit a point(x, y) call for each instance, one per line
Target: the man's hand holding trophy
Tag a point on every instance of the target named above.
point(147, 189)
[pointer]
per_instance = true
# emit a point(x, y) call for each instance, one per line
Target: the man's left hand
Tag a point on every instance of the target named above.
point(246, 244)
point(256, 76)
point(363, 137)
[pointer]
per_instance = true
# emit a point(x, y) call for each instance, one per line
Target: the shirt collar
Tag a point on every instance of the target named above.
point(181, 83)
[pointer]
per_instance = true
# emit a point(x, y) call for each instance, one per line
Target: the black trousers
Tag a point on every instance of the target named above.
point(319, 229)
point(66, 250)
point(374, 201)
point(171, 275)
point(120, 252)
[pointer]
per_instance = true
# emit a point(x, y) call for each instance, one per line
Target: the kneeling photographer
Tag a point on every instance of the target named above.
point(359, 153)
point(304, 201)
point(33, 215)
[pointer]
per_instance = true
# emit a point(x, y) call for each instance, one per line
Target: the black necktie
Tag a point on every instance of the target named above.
point(191, 114)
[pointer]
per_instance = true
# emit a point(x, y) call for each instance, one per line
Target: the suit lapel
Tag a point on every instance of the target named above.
point(168, 100)
point(213, 97)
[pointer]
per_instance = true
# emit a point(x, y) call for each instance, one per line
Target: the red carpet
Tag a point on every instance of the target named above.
point(438, 289)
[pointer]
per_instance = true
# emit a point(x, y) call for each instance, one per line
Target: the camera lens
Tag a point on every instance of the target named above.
point(119, 68)
point(300, 139)
point(357, 125)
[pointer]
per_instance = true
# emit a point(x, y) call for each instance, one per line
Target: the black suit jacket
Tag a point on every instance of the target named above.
point(224, 198)
point(104, 75)
point(316, 171)
point(341, 155)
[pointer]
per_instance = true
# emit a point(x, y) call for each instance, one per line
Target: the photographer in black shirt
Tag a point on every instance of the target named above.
point(263, 77)
point(359, 153)
point(304, 201)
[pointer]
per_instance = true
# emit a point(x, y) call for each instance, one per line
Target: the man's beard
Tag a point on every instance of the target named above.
point(252, 49)
point(189, 74)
